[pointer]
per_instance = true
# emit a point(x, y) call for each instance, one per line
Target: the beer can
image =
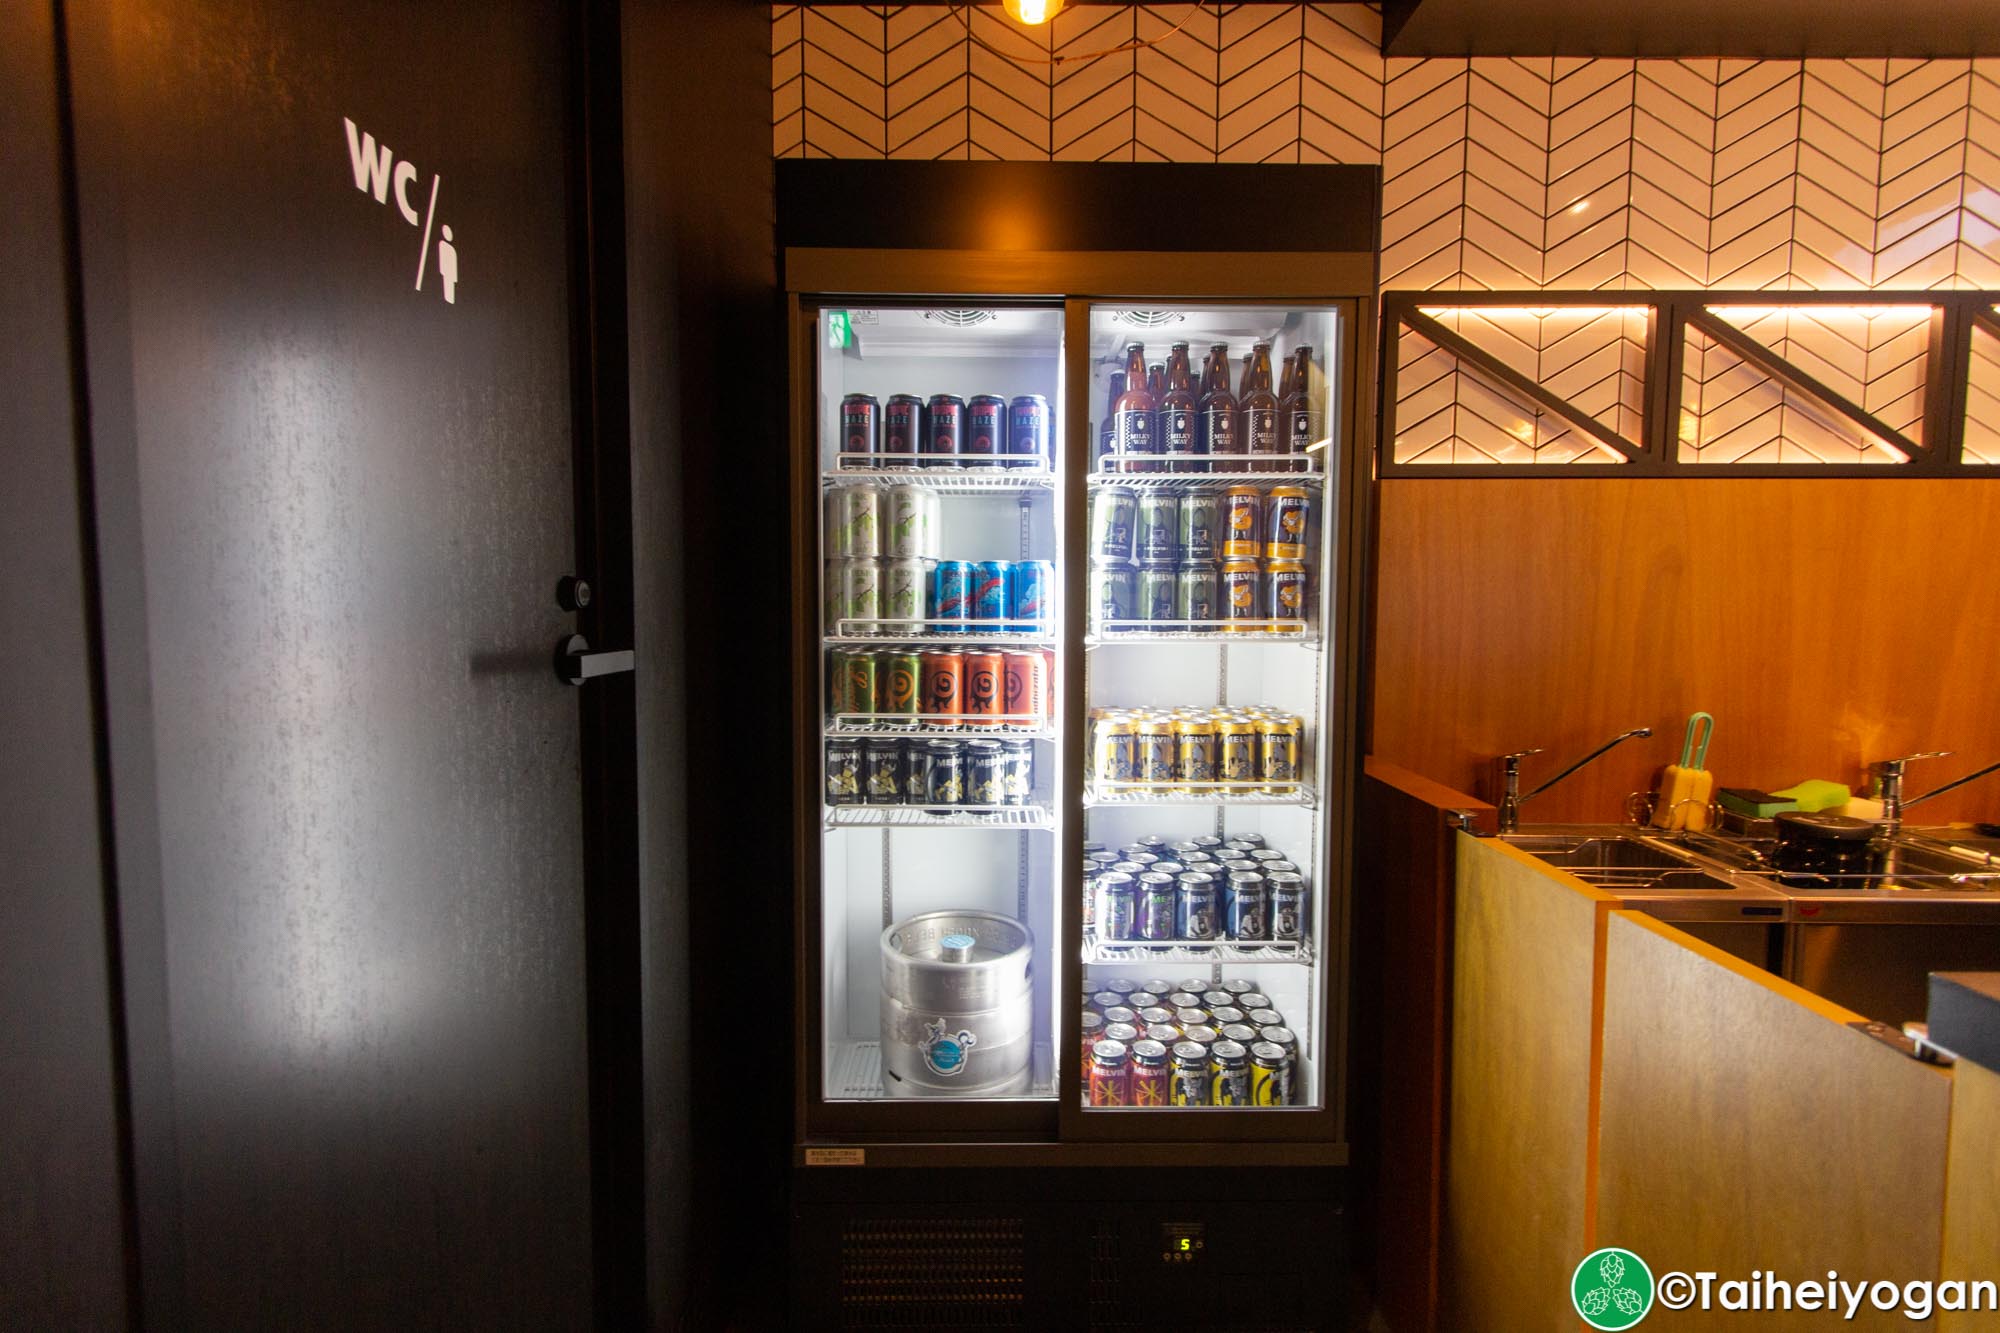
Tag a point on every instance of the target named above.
point(1217, 998)
point(985, 430)
point(1278, 754)
point(984, 765)
point(1285, 510)
point(1098, 856)
point(1106, 999)
point(903, 432)
point(1029, 597)
point(1023, 690)
point(1242, 522)
point(1236, 744)
point(905, 591)
point(1164, 1033)
point(1255, 999)
point(898, 682)
point(1242, 1033)
point(1188, 1084)
point(1030, 430)
point(860, 432)
point(1265, 855)
point(1119, 1025)
point(916, 772)
point(992, 595)
point(1228, 1074)
point(951, 596)
point(1185, 999)
point(1252, 840)
point(1111, 751)
point(1110, 1074)
point(1285, 596)
point(1156, 529)
point(1194, 754)
point(1017, 772)
point(983, 689)
point(943, 686)
point(946, 778)
point(1153, 752)
point(1270, 1075)
point(944, 430)
point(861, 668)
point(860, 601)
point(1113, 512)
point(1197, 527)
point(1093, 1032)
point(1114, 592)
point(1157, 589)
point(911, 523)
point(1155, 908)
point(1150, 1076)
point(1239, 594)
point(882, 770)
point(1287, 1041)
point(853, 522)
point(1272, 867)
point(1145, 860)
point(1202, 1035)
point(1190, 1015)
point(1226, 1016)
point(1121, 986)
point(1247, 903)
point(843, 772)
point(1142, 1000)
point(1264, 1016)
point(1288, 907)
point(1117, 906)
point(1194, 907)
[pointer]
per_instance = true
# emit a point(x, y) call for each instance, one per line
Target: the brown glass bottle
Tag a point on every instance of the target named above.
point(1156, 379)
point(1177, 413)
point(1110, 411)
point(1296, 422)
point(1133, 416)
point(1215, 412)
point(1260, 409)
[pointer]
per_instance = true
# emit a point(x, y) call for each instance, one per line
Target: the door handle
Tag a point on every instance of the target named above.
point(575, 663)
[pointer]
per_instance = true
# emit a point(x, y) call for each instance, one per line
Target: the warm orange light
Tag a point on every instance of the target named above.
point(1032, 12)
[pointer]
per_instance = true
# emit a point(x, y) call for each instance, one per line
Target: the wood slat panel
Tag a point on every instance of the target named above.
point(1745, 1127)
point(1522, 1054)
point(1824, 622)
point(1972, 1189)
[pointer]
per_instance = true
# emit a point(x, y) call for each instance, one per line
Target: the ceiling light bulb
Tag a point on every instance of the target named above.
point(1032, 12)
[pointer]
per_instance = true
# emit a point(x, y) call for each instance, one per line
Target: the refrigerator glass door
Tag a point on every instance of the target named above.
point(1204, 916)
point(938, 438)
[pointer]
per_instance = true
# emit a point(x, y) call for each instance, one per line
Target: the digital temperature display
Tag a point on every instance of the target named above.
point(1183, 1242)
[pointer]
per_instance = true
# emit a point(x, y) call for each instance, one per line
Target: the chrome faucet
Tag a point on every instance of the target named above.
point(1889, 785)
point(1511, 799)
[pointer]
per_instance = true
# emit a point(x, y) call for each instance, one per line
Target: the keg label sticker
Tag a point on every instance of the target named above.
point(946, 1052)
point(836, 1157)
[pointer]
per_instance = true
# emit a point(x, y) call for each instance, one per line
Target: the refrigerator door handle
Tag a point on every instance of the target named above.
point(575, 663)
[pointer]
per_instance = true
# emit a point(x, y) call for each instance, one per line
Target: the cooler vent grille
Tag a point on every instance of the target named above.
point(1107, 1274)
point(927, 1272)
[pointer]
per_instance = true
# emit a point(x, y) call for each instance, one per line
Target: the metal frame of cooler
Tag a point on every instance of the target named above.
point(1060, 1131)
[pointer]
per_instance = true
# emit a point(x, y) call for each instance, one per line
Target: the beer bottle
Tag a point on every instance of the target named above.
point(1132, 416)
point(1260, 408)
point(1177, 412)
point(1285, 384)
point(1215, 412)
point(1110, 410)
point(1295, 414)
point(1156, 380)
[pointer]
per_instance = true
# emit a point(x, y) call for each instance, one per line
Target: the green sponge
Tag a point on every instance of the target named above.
point(1756, 804)
point(1816, 794)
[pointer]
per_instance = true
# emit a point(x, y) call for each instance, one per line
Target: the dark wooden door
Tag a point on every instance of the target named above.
point(327, 263)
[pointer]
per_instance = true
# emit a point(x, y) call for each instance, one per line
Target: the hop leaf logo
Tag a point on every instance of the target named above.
point(1612, 1289)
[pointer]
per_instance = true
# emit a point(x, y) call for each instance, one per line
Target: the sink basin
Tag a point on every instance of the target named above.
point(1621, 862)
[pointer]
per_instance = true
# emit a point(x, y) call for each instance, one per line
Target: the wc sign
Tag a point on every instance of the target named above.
point(377, 172)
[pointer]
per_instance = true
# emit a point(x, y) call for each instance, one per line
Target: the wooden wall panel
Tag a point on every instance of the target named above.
point(1520, 1124)
point(1745, 1127)
point(1972, 1188)
point(1824, 622)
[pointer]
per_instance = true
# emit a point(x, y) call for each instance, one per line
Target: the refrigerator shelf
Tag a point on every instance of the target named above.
point(887, 632)
point(938, 726)
point(933, 732)
point(1188, 951)
point(857, 1074)
point(1180, 483)
point(1224, 793)
point(949, 480)
point(921, 816)
point(1225, 632)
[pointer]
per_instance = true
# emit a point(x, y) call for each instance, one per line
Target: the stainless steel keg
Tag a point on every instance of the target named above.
point(957, 1006)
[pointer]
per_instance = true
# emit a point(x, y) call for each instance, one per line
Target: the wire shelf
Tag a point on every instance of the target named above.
point(879, 630)
point(1191, 951)
point(1180, 483)
point(1263, 630)
point(935, 732)
point(947, 480)
point(1175, 793)
point(856, 1074)
point(1012, 726)
point(924, 816)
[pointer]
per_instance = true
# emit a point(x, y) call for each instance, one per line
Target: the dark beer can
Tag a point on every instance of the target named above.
point(882, 770)
point(1150, 1075)
point(983, 772)
point(1270, 1075)
point(1157, 586)
point(1116, 906)
point(1093, 1032)
point(1017, 772)
point(1189, 1083)
point(951, 596)
point(1247, 903)
point(902, 430)
point(1228, 1074)
point(843, 772)
point(1156, 529)
point(1114, 592)
point(1113, 511)
point(1110, 1074)
point(860, 432)
point(944, 430)
point(1194, 912)
point(1029, 432)
point(1155, 907)
point(1198, 516)
point(1197, 590)
point(1288, 906)
point(917, 759)
point(946, 778)
point(985, 430)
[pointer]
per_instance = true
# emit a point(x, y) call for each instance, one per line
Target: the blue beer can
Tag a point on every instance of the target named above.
point(951, 596)
point(1194, 906)
point(992, 593)
point(1033, 581)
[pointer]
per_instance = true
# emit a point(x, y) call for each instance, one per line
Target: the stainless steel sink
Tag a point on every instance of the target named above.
point(1621, 860)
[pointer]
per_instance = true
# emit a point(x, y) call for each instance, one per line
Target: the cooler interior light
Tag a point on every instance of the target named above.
point(1032, 12)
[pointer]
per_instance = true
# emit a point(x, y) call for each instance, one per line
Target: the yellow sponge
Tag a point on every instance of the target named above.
point(1816, 794)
